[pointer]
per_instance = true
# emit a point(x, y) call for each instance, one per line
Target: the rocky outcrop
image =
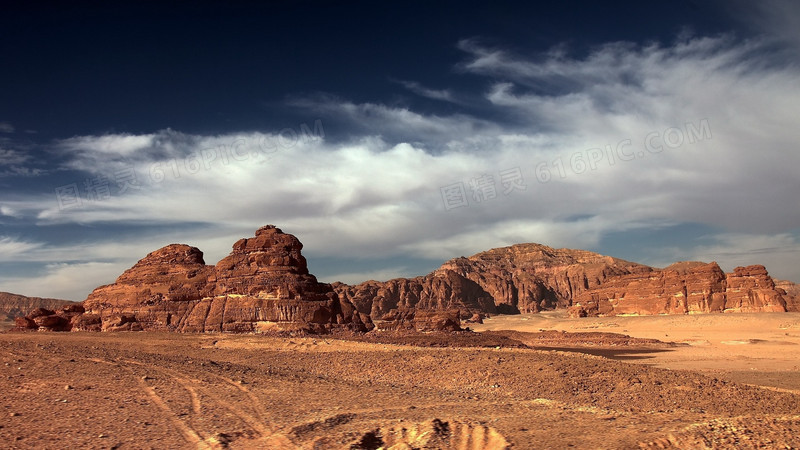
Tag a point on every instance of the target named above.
point(520, 278)
point(791, 293)
point(50, 320)
point(751, 289)
point(264, 284)
point(159, 292)
point(421, 320)
point(683, 288)
point(14, 305)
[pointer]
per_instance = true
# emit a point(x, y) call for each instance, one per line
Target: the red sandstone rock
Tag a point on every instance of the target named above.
point(683, 288)
point(14, 305)
point(520, 278)
point(421, 320)
point(263, 281)
point(791, 293)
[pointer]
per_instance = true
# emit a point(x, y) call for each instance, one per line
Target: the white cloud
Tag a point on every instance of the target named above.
point(11, 249)
point(12, 157)
point(6, 127)
point(64, 281)
point(9, 211)
point(114, 144)
point(378, 195)
point(422, 91)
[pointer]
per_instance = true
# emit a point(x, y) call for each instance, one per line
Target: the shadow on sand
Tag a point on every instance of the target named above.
point(626, 354)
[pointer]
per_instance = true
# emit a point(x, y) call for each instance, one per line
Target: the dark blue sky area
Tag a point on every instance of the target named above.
point(204, 67)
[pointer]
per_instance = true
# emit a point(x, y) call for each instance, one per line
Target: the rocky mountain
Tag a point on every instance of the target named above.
point(521, 278)
point(534, 277)
point(684, 288)
point(263, 285)
point(13, 305)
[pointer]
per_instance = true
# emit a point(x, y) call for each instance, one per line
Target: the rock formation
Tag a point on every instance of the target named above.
point(520, 278)
point(421, 320)
point(533, 277)
point(683, 288)
point(792, 294)
point(264, 284)
point(13, 305)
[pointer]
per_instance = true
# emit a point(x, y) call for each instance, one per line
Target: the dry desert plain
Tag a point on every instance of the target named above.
point(704, 381)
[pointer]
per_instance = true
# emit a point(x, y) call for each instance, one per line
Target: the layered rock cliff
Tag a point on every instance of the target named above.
point(520, 278)
point(683, 288)
point(533, 277)
point(263, 285)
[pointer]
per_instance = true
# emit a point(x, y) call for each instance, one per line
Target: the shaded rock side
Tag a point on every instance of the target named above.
point(262, 285)
point(791, 293)
point(683, 288)
point(521, 278)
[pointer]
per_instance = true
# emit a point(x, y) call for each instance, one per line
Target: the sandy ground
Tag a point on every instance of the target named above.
point(759, 348)
point(151, 390)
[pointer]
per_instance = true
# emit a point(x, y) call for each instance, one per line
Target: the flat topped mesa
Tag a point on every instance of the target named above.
point(262, 284)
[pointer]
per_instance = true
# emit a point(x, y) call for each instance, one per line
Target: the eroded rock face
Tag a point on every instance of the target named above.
point(421, 320)
point(520, 278)
point(683, 288)
point(263, 284)
point(791, 294)
point(50, 320)
point(159, 291)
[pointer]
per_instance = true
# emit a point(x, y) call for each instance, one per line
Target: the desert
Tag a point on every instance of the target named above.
point(221, 390)
point(400, 225)
point(254, 352)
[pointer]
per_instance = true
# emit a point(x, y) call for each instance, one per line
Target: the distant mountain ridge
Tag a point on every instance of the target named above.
point(15, 305)
point(264, 285)
point(526, 278)
point(522, 278)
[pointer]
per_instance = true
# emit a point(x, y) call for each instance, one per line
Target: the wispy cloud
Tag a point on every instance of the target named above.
point(12, 157)
point(112, 144)
point(6, 127)
point(435, 94)
point(378, 194)
point(11, 249)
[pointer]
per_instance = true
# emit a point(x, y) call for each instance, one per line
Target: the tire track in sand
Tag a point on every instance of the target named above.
point(258, 423)
point(189, 434)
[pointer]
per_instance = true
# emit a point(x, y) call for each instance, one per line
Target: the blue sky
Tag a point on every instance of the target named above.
point(391, 136)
